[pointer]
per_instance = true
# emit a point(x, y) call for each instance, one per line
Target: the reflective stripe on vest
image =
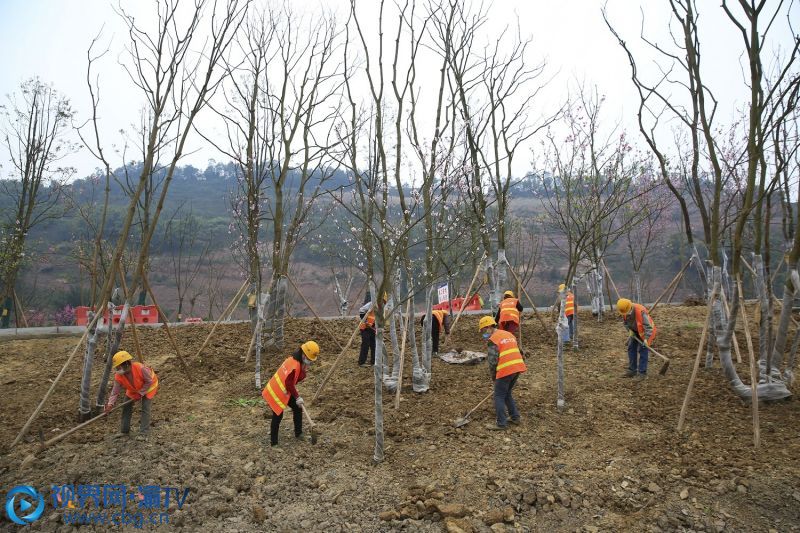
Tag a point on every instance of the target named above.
point(509, 311)
point(132, 389)
point(510, 360)
point(275, 393)
point(369, 321)
point(569, 310)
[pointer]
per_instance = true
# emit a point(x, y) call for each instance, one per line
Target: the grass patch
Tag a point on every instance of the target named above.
point(245, 402)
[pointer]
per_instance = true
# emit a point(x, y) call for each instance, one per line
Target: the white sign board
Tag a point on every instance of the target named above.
point(444, 293)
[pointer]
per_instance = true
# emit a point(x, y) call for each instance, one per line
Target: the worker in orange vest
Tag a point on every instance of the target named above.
point(508, 313)
point(140, 383)
point(281, 391)
point(569, 309)
point(506, 363)
point(441, 322)
point(367, 330)
point(641, 334)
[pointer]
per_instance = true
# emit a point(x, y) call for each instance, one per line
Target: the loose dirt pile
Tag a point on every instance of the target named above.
point(610, 461)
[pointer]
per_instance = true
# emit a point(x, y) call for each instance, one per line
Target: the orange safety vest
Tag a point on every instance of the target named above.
point(439, 314)
point(510, 361)
point(132, 389)
point(369, 321)
point(275, 393)
point(569, 310)
point(509, 311)
point(638, 309)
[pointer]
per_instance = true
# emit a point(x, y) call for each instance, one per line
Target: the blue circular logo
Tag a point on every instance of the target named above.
point(25, 492)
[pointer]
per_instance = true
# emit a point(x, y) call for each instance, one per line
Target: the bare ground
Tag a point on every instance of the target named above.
point(610, 461)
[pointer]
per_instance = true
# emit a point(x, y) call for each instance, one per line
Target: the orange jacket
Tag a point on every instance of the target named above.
point(638, 321)
point(133, 390)
point(276, 393)
point(509, 311)
point(510, 358)
point(569, 310)
point(368, 322)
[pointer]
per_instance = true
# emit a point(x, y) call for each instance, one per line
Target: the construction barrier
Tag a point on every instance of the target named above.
point(144, 314)
point(139, 314)
point(454, 305)
point(193, 320)
point(82, 315)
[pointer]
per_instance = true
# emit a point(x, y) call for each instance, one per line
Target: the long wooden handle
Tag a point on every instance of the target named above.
point(664, 357)
point(305, 412)
point(50, 442)
point(479, 404)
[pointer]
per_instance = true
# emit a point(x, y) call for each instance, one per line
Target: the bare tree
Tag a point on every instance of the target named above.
point(188, 252)
point(35, 127)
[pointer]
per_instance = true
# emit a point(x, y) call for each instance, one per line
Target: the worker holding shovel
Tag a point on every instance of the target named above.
point(140, 383)
point(641, 334)
point(281, 391)
point(505, 366)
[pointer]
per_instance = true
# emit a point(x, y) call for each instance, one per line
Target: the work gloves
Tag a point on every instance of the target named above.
point(299, 401)
point(107, 408)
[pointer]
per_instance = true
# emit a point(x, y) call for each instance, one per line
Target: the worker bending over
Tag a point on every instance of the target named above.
point(641, 334)
point(441, 322)
point(508, 313)
point(140, 383)
point(281, 391)
point(505, 365)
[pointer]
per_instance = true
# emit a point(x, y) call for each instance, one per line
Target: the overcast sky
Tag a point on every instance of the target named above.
point(49, 39)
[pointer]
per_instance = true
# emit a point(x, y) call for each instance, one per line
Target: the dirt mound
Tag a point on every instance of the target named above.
point(611, 460)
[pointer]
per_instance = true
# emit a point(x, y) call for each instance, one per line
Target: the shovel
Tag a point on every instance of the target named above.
point(666, 359)
point(311, 423)
point(464, 420)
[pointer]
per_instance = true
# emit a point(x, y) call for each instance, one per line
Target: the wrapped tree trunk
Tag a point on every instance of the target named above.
point(637, 286)
point(562, 331)
point(421, 376)
point(84, 409)
point(494, 292)
point(501, 272)
point(276, 313)
point(378, 379)
point(263, 301)
point(766, 368)
point(101, 390)
point(723, 331)
point(575, 316)
point(781, 337)
point(712, 327)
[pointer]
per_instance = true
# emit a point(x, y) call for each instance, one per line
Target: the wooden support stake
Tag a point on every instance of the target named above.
point(735, 341)
point(308, 304)
point(49, 392)
point(403, 352)
point(533, 304)
point(18, 305)
point(678, 277)
point(700, 349)
point(753, 372)
point(62, 436)
point(128, 298)
point(226, 315)
point(467, 298)
point(164, 321)
point(613, 285)
point(236, 298)
point(519, 286)
point(336, 362)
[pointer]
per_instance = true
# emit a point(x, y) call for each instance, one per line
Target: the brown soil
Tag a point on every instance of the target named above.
point(611, 460)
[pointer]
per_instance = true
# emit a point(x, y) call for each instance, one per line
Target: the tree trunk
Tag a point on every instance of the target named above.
point(378, 380)
point(276, 312)
point(84, 409)
point(421, 377)
point(575, 316)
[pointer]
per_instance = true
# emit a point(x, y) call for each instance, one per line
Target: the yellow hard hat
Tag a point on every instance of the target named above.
point(311, 349)
point(561, 287)
point(119, 358)
point(508, 294)
point(624, 306)
point(485, 322)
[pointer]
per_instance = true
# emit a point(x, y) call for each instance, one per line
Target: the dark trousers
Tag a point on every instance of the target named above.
point(504, 400)
point(367, 345)
point(127, 412)
point(571, 326)
point(435, 335)
point(275, 425)
point(511, 327)
point(634, 349)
